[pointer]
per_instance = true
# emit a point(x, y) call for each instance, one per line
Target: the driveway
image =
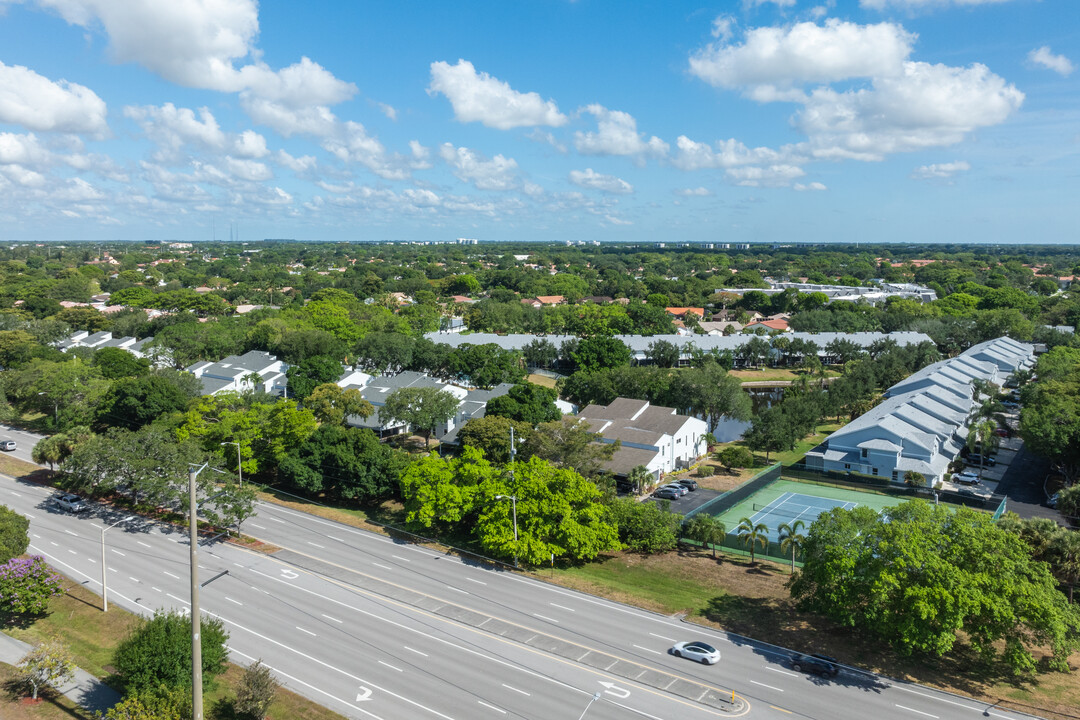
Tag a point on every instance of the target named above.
point(1022, 484)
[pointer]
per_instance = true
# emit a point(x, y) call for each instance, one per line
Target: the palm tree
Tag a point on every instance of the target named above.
point(751, 534)
point(707, 530)
point(982, 434)
point(791, 538)
point(1066, 546)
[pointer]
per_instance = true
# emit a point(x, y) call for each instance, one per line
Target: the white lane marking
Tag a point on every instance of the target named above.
point(15, 493)
point(72, 551)
point(916, 711)
point(498, 710)
point(261, 527)
point(662, 637)
point(277, 520)
point(479, 582)
point(321, 547)
point(234, 601)
point(782, 672)
point(36, 535)
point(390, 666)
point(332, 618)
point(175, 577)
point(177, 599)
point(384, 567)
point(92, 560)
point(562, 607)
point(463, 592)
point(142, 543)
point(401, 558)
point(71, 533)
point(326, 664)
point(946, 700)
point(54, 543)
point(544, 617)
point(296, 679)
point(155, 589)
point(238, 565)
point(118, 552)
point(423, 654)
point(508, 687)
point(641, 647)
point(32, 517)
point(335, 539)
point(306, 631)
point(113, 570)
point(768, 686)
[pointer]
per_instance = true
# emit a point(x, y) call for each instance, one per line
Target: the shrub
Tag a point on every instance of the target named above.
point(14, 538)
point(735, 456)
point(158, 653)
point(27, 585)
point(257, 691)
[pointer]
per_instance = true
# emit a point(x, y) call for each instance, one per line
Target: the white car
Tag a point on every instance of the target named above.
point(696, 650)
point(7, 445)
point(966, 478)
point(70, 503)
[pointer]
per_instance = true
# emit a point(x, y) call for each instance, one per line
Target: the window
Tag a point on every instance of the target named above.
point(847, 466)
point(864, 453)
point(873, 470)
point(895, 475)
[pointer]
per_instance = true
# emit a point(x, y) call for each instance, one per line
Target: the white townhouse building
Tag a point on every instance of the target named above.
point(650, 435)
point(254, 370)
point(922, 424)
point(104, 339)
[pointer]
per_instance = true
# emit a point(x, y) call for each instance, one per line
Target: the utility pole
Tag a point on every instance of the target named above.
point(196, 639)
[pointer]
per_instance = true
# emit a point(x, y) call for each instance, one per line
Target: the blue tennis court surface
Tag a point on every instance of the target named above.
point(792, 506)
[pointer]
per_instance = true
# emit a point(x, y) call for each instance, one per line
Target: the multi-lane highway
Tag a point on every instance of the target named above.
point(374, 628)
point(25, 442)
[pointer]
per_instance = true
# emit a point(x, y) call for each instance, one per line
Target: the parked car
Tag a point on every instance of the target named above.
point(1010, 404)
point(1003, 432)
point(688, 483)
point(668, 493)
point(70, 503)
point(967, 492)
point(681, 489)
point(696, 650)
point(818, 664)
point(977, 459)
point(966, 478)
point(7, 445)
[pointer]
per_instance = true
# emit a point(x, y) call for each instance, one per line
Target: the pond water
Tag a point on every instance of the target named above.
point(761, 398)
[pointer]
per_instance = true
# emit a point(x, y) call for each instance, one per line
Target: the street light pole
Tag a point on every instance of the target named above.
point(196, 639)
point(104, 588)
point(239, 470)
point(595, 697)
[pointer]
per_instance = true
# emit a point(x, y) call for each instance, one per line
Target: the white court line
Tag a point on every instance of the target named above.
point(642, 647)
point(768, 686)
point(917, 711)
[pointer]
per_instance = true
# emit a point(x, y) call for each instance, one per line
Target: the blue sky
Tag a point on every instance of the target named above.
point(747, 120)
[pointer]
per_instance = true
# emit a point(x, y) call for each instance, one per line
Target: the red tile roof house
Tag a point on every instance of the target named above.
point(461, 299)
point(532, 302)
point(781, 325)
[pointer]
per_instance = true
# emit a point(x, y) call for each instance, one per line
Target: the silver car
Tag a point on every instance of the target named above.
point(696, 650)
point(70, 503)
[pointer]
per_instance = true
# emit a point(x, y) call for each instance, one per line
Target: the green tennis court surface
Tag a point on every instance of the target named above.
point(786, 501)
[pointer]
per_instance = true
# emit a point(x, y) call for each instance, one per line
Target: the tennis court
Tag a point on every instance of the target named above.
point(786, 501)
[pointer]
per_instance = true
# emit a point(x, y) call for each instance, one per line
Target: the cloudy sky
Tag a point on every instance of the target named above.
point(740, 120)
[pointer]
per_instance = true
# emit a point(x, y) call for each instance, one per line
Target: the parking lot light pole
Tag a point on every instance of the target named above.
point(239, 470)
point(513, 501)
point(104, 588)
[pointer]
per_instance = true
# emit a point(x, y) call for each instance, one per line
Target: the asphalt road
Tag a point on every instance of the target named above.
point(25, 441)
point(378, 629)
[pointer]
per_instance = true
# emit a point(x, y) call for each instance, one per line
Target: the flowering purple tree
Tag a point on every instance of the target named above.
point(27, 585)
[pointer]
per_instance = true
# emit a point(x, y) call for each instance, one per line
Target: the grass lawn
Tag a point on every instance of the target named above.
point(548, 382)
point(790, 457)
point(92, 635)
point(768, 374)
point(17, 468)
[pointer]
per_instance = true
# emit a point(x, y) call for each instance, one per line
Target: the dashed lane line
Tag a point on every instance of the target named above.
point(920, 712)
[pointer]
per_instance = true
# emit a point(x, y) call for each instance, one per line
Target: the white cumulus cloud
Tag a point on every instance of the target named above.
point(479, 97)
point(1045, 58)
point(38, 103)
point(171, 127)
point(250, 144)
point(808, 187)
point(616, 134)
point(589, 178)
point(694, 192)
point(804, 53)
point(940, 170)
point(498, 173)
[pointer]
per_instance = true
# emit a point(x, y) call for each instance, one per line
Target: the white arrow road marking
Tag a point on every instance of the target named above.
point(613, 689)
point(288, 574)
point(364, 694)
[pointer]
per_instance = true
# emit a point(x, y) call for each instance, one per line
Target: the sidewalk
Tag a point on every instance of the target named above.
point(85, 689)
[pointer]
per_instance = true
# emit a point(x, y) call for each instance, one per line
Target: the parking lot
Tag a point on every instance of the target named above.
point(690, 501)
point(1004, 456)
